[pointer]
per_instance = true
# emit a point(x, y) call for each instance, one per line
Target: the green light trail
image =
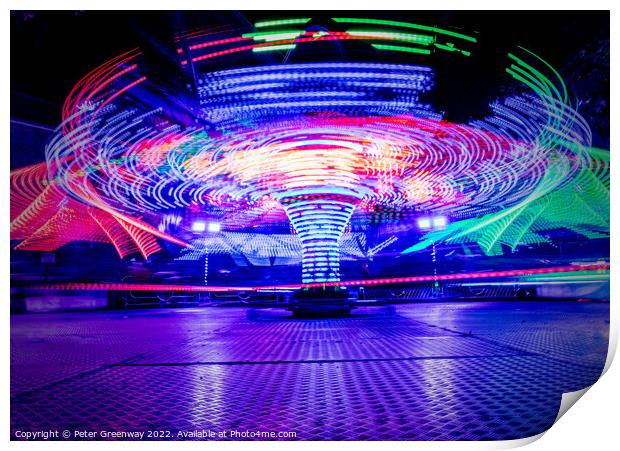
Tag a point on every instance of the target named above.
point(398, 48)
point(277, 23)
point(394, 23)
point(273, 48)
point(274, 35)
point(405, 37)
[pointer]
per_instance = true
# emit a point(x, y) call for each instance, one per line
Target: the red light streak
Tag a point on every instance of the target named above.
point(351, 283)
point(332, 36)
point(119, 92)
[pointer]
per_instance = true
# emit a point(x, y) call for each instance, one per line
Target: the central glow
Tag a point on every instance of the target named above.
point(320, 222)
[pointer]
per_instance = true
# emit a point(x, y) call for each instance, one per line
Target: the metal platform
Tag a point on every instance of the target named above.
point(442, 371)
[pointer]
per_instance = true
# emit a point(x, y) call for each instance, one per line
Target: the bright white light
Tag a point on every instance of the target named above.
point(439, 222)
point(424, 223)
point(198, 226)
point(214, 227)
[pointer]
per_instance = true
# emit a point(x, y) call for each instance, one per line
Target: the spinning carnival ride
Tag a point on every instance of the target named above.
point(256, 141)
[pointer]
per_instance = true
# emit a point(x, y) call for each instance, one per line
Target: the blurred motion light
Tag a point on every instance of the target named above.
point(311, 143)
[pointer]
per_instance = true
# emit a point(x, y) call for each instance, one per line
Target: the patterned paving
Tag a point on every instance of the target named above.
point(449, 371)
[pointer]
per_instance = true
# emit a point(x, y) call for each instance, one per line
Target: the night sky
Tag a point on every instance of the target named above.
point(51, 51)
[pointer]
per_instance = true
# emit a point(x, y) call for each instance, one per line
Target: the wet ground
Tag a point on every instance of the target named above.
point(432, 371)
